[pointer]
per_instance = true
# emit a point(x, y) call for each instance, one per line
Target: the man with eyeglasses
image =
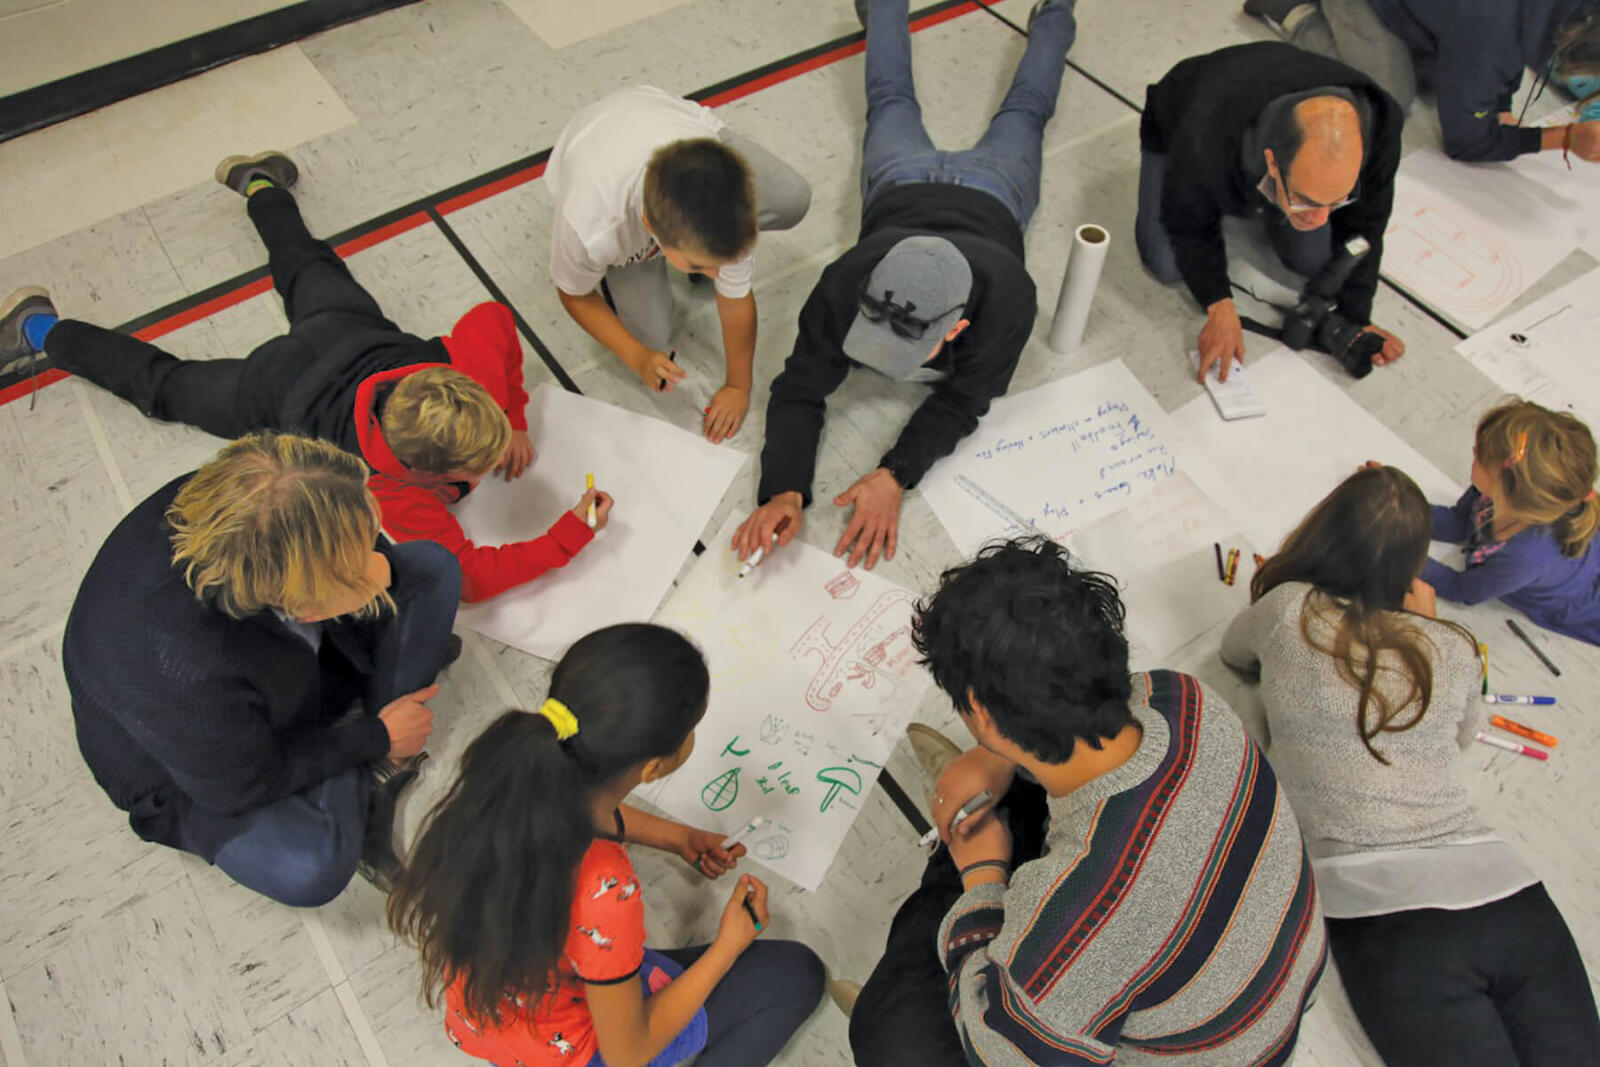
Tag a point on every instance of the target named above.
point(935, 290)
point(1305, 143)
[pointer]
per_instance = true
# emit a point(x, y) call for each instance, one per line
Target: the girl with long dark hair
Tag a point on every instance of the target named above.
point(529, 915)
point(1449, 947)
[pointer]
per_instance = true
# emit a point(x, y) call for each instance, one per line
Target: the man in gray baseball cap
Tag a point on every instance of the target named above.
point(935, 290)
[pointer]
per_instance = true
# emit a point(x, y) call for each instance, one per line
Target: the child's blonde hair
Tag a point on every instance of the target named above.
point(440, 421)
point(276, 521)
point(1545, 461)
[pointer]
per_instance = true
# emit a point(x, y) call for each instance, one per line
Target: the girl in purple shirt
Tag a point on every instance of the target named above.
point(1526, 524)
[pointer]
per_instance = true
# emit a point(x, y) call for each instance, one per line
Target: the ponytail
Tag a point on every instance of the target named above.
point(487, 890)
point(1575, 529)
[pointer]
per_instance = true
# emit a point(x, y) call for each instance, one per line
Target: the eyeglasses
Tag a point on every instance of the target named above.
point(1270, 185)
point(900, 317)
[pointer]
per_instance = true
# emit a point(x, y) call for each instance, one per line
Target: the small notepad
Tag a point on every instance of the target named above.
point(1234, 398)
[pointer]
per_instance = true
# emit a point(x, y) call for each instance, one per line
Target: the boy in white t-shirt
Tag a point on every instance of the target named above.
point(642, 179)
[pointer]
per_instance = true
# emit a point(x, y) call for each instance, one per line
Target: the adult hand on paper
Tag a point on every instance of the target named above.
point(988, 839)
point(602, 508)
point(1421, 599)
point(1221, 339)
point(702, 850)
point(726, 414)
point(409, 721)
point(780, 515)
point(519, 453)
point(656, 370)
point(1393, 348)
point(875, 526)
point(737, 932)
point(962, 779)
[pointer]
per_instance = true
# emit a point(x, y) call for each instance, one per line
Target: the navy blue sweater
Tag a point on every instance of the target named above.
point(1478, 50)
point(185, 714)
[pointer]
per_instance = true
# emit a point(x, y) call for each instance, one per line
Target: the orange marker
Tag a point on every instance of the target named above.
point(1522, 731)
point(1260, 559)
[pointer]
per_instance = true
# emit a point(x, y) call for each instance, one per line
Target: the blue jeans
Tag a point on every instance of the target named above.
point(1006, 162)
point(303, 849)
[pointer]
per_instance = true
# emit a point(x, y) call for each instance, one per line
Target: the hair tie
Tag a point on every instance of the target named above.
point(1520, 452)
point(1591, 496)
point(565, 723)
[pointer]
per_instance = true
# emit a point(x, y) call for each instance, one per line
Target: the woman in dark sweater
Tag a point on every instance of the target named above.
point(220, 635)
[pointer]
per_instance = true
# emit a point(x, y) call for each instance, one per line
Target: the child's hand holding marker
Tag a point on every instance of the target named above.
point(744, 917)
point(771, 525)
point(659, 370)
point(594, 508)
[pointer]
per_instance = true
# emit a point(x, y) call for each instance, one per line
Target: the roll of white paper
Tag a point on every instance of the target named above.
point(1084, 264)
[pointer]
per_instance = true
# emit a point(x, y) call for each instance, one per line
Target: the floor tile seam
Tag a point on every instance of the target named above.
point(92, 925)
point(102, 446)
point(497, 678)
point(339, 980)
point(10, 1035)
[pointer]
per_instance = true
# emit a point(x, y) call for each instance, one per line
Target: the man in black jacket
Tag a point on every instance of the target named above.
point(934, 291)
point(1471, 53)
point(1265, 130)
point(216, 645)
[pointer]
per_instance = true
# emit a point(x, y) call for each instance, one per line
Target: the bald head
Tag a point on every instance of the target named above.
point(1328, 163)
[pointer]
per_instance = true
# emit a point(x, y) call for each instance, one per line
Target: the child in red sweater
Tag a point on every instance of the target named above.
point(431, 418)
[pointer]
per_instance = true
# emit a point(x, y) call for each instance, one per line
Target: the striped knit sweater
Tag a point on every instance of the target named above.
point(1172, 918)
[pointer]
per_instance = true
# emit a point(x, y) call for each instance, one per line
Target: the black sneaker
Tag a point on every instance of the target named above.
point(237, 172)
point(19, 360)
point(379, 864)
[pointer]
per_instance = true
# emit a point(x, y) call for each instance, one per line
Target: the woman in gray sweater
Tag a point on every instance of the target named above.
point(1450, 949)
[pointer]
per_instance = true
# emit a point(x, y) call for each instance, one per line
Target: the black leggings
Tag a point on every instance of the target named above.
point(1499, 985)
point(327, 309)
point(759, 1004)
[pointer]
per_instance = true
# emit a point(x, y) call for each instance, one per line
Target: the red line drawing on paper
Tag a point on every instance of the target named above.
point(877, 646)
point(1448, 255)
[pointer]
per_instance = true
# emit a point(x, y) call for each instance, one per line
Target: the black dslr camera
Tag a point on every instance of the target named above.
point(1316, 323)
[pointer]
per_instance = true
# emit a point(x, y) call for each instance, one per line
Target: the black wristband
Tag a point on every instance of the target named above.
point(1000, 865)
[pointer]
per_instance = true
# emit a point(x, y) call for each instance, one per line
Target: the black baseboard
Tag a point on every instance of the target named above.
point(65, 98)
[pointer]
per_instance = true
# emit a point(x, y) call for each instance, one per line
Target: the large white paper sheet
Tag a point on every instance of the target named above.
point(1468, 240)
point(1095, 463)
point(1568, 190)
point(813, 679)
point(666, 483)
point(1312, 438)
point(1546, 351)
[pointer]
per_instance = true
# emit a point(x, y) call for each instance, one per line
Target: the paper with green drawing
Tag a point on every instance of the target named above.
point(813, 680)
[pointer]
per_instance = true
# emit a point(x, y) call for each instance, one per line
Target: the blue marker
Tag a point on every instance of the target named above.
point(1502, 698)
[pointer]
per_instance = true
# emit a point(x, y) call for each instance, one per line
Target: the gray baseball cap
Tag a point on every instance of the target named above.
point(929, 279)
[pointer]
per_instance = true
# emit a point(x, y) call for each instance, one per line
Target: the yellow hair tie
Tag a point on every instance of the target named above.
point(560, 717)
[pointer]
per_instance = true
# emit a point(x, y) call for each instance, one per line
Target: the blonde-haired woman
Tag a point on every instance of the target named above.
point(219, 638)
point(1527, 522)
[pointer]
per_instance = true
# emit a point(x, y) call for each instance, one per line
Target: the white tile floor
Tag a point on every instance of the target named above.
point(112, 951)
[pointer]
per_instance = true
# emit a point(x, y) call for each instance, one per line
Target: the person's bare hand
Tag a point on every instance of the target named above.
point(702, 850)
point(1586, 141)
point(989, 838)
point(1393, 348)
point(737, 932)
point(726, 414)
point(602, 508)
point(409, 721)
point(780, 516)
point(519, 453)
point(963, 779)
point(657, 370)
point(1221, 340)
point(874, 528)
point(1421, 599)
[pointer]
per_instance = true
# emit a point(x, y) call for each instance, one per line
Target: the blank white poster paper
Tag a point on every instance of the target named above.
point(813, 679)
point(1312, 438)
point(666, 483)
